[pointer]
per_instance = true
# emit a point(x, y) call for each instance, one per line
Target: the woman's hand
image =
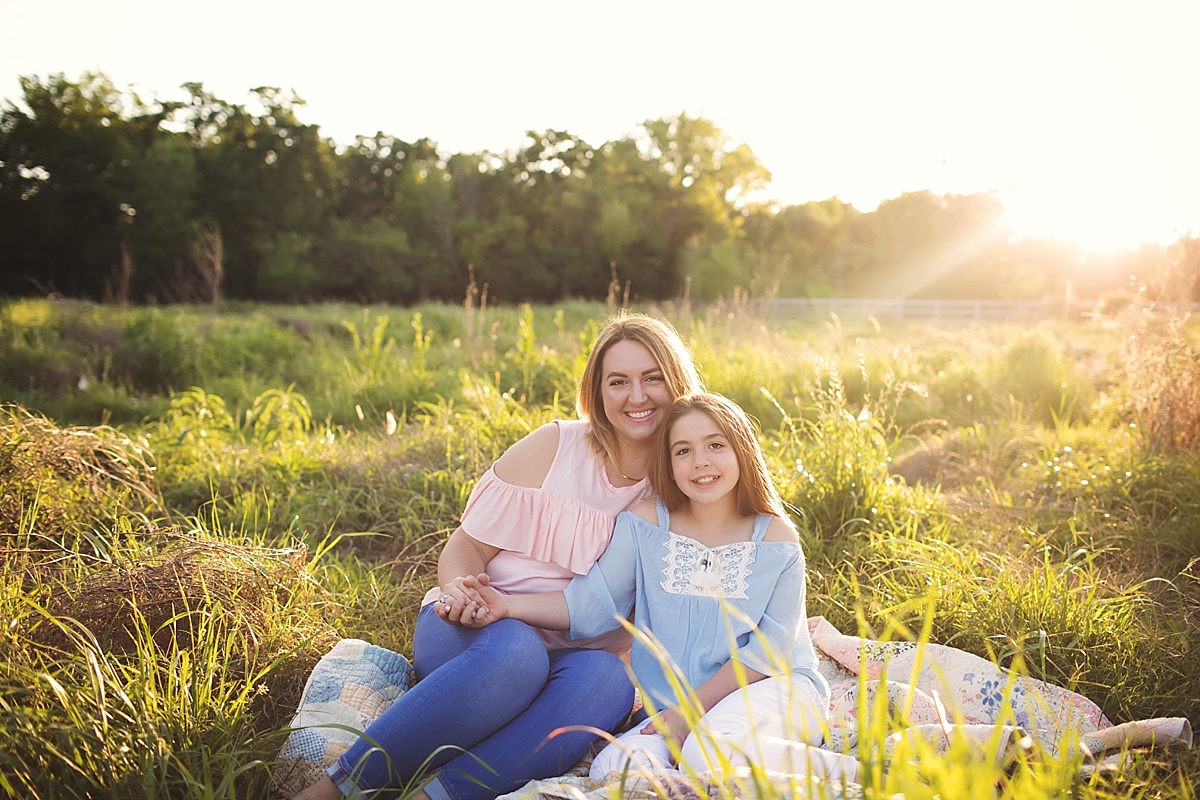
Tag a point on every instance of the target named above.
point(673, 725)
point(460, 601)
point(493, 605)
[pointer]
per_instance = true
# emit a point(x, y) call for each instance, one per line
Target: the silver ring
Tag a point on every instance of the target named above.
point(446, 600)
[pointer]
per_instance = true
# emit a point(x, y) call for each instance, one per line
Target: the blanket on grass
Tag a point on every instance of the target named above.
point(935, 692)
point(949, 690)
point(932, 692)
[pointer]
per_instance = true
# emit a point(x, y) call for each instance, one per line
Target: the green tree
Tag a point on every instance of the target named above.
point(489, 232)
point(392, 240)
point(1035, 269)
point(927, 245)
point(268, 180)
point(163, 184)
point(426, 207)
point(1185, 260)
point(687, 185)
point(805, 250)
point(625, 235)
point(69, 183)
point(548, 187)
point(371, 172)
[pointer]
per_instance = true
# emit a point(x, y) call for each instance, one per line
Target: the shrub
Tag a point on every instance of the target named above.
point(834, 467)
point(1033, 373)
point(160, 352)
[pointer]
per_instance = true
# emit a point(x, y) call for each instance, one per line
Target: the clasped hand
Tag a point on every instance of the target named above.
point(471, 602)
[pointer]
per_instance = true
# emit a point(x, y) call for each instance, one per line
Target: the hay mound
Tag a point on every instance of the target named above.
point(185, 584)
point(68, 478)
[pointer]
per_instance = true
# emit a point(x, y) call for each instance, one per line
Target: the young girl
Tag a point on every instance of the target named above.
point(715, 572)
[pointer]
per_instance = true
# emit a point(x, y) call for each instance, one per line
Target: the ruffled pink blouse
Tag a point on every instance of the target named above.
point(550, 534)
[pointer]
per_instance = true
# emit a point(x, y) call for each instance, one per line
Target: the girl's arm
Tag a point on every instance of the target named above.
point(672, 722)
point(591, 605)
point(772, 648)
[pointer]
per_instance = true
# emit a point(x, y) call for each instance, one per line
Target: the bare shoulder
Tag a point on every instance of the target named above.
point(781, 530)
point(528, 460)
point(647, 509)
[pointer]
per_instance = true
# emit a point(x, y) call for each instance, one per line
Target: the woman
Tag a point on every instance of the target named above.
point(485, 715)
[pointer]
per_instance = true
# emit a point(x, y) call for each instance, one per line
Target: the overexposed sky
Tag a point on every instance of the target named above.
point(1081, 114)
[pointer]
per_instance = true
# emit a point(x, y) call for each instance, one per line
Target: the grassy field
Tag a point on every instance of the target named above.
point(197, 503)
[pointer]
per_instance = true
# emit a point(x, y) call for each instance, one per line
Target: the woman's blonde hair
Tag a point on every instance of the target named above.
point(669, 353)
point(755, 491)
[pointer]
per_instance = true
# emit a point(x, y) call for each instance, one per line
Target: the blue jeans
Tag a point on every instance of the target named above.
point(485, 714)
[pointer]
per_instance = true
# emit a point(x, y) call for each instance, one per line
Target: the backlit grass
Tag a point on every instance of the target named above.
point(196, 504)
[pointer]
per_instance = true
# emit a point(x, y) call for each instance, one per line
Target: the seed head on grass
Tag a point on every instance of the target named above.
point(1163, 373)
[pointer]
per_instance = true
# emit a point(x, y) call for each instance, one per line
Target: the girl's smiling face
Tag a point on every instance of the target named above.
point(703, 464)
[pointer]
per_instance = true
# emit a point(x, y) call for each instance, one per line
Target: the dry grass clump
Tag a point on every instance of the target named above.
point(1163, 371)
point(59, 480)
point(172, 660)
point(177, 591)
point(183, 583)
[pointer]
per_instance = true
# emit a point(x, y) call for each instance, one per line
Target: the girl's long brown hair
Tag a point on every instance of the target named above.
point(755, 491)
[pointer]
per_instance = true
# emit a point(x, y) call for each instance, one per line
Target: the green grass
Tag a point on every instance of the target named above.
point(197, 503)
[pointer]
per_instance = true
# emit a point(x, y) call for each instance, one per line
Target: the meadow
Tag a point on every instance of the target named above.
point(197, 502)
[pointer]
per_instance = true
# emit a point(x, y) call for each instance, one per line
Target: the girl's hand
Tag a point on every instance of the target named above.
point(494, 605)
point(672, 724)
point(460, 601)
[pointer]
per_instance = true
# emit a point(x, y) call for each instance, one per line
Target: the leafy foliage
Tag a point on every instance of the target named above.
point(106, 196)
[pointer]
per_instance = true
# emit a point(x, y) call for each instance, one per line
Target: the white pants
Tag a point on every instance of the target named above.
point(772, 725)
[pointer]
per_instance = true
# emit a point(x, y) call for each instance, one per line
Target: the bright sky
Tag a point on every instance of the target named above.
point(1081, 114)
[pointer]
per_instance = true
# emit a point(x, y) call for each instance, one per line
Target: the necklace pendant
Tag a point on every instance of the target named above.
point(707, 573)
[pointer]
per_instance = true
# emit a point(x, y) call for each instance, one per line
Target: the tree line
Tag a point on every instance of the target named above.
point(107, 196)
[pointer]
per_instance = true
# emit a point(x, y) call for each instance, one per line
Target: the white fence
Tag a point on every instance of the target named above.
point(950, 310)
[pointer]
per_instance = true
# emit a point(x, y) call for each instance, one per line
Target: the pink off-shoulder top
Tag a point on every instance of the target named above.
point(550, 534)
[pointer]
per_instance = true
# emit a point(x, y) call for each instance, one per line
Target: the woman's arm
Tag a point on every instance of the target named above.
point(463, 555)
point(591, 604)
point(524, 464)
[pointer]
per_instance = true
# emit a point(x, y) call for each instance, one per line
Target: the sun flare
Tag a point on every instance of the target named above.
point(1105, 208)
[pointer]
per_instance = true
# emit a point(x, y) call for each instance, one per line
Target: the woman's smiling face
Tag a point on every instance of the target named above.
point(634, 391)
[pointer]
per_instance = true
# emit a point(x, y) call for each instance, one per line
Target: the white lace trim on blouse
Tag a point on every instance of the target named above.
point(699, 571)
